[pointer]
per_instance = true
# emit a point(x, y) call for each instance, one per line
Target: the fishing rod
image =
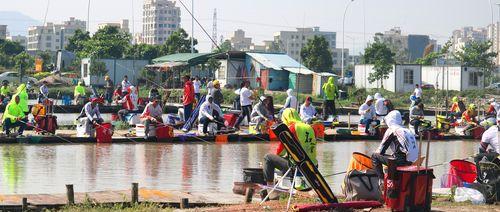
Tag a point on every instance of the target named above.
point(45, 131)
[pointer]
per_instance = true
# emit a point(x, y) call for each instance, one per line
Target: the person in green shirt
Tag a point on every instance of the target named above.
point(14, 116)
point(79, 93)
point(4, 92)
point(23, 98)
point(330, 94)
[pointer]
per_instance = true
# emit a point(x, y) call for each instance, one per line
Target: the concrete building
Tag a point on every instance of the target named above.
point(408, 47)
point(123, 25)
point(337, 59)
point(116, 69)
point(291, 42)
point(160, 18)
point(465, 35)
point(494, 36)
point(3, 31)
point(53, 37)
point(457, 78)
point(402, 79)
point(239, 42)
point(416, 46)
point(23, 40)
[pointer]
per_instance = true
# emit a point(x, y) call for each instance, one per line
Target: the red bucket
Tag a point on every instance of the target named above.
point(104, 133)
point(464, 170)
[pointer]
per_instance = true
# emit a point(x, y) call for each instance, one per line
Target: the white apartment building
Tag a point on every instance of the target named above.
point(123, 25)
point(463, 36)
point(291, 42)
point(494, 36)
point(160, 18)
point(239, 42)
point(53, 37)
point(23, 40)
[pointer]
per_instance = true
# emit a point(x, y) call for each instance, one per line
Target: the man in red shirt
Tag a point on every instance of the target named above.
point(188, 97)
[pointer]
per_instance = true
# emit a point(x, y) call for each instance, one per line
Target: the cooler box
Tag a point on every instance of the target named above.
point(139, 130)
point(104, 133)
point(230, 119)
point(410, 190)
point(164, 131)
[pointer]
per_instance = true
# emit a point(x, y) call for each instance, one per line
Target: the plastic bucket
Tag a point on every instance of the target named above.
point(104, 133)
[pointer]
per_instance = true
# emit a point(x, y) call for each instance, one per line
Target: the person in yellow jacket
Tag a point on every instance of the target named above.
point(304, 134)
point(14, 116)
point(4, 92)
point(79, 94)
point(23, 98)
point(330, 94)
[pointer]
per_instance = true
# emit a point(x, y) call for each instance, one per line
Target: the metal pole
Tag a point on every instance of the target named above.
point(343, 38)
point(192, 26)
point(88, 17)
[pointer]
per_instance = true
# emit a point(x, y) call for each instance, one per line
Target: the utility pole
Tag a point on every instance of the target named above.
point(192, 26)
point(343, 37)
point(214, 29)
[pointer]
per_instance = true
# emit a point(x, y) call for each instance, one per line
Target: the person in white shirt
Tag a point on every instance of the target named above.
point(380, 107)
point(210, 87)
point(489, 147)
point(152, 114)
point(197, 86)
point(400, 140)
point(210, 112)
point(418, 91)
point(291, 100)
point(125, 84)
point(367, 113)
point(246, 97)
point(44, 92)
point(307, 111)
point(90, 115)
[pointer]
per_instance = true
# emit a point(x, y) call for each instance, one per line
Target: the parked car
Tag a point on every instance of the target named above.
point(427, 86)
point(495, 85)
point(13, 77)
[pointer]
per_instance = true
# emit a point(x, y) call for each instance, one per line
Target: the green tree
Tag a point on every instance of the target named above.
point(23, 61)
point(213, 64)
point(477, 54)
point(108, 42)
point(10, 48)
point(382, 58)
point(316, 54)
point(77, 41)
point(142, 51)
point(431, 57)
point(98, 68)
point(223, 47)
point(178, 42)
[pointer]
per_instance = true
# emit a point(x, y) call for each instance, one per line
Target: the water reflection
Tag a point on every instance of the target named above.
point(190, 167)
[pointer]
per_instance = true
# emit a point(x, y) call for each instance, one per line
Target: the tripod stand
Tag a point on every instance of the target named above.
point(293, 167)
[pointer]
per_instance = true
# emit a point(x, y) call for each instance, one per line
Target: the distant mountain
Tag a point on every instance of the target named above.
point(17, 23)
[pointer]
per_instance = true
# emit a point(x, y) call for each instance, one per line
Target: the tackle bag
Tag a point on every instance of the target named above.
point(362, 185)
point(47, 124)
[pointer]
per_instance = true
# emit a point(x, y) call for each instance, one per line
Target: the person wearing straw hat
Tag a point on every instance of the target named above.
point(401, 142)
point(14, 117)
point(367, 113)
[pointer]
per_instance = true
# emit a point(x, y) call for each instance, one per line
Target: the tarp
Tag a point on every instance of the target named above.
point(166, 65)
point(187, 58)
point(280, 62)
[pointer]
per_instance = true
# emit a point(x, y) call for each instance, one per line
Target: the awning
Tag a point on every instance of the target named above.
point(166, 65)
point(301, 70)
point(190, 59)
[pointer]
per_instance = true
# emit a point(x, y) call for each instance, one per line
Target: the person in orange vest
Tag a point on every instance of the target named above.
point(129, 102)
point(469, 117)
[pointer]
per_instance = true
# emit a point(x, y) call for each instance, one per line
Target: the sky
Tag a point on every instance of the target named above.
point(262, 18)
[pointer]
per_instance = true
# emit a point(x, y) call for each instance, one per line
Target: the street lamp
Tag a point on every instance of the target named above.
point(343, 38)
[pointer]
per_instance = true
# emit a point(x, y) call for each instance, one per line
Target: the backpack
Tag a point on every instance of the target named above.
point(362, 185)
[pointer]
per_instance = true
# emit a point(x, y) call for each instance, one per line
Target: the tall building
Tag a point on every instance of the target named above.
point(494, 36)
point(407, 48)
point(160, 18)
point(292, 42)
point(465, 35)
point(123, 25)
point(3, 31)
point(239, 42)
point(20, 39)
point(53, 37)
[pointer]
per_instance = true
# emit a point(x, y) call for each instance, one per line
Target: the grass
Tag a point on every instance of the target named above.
point(90, 205)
